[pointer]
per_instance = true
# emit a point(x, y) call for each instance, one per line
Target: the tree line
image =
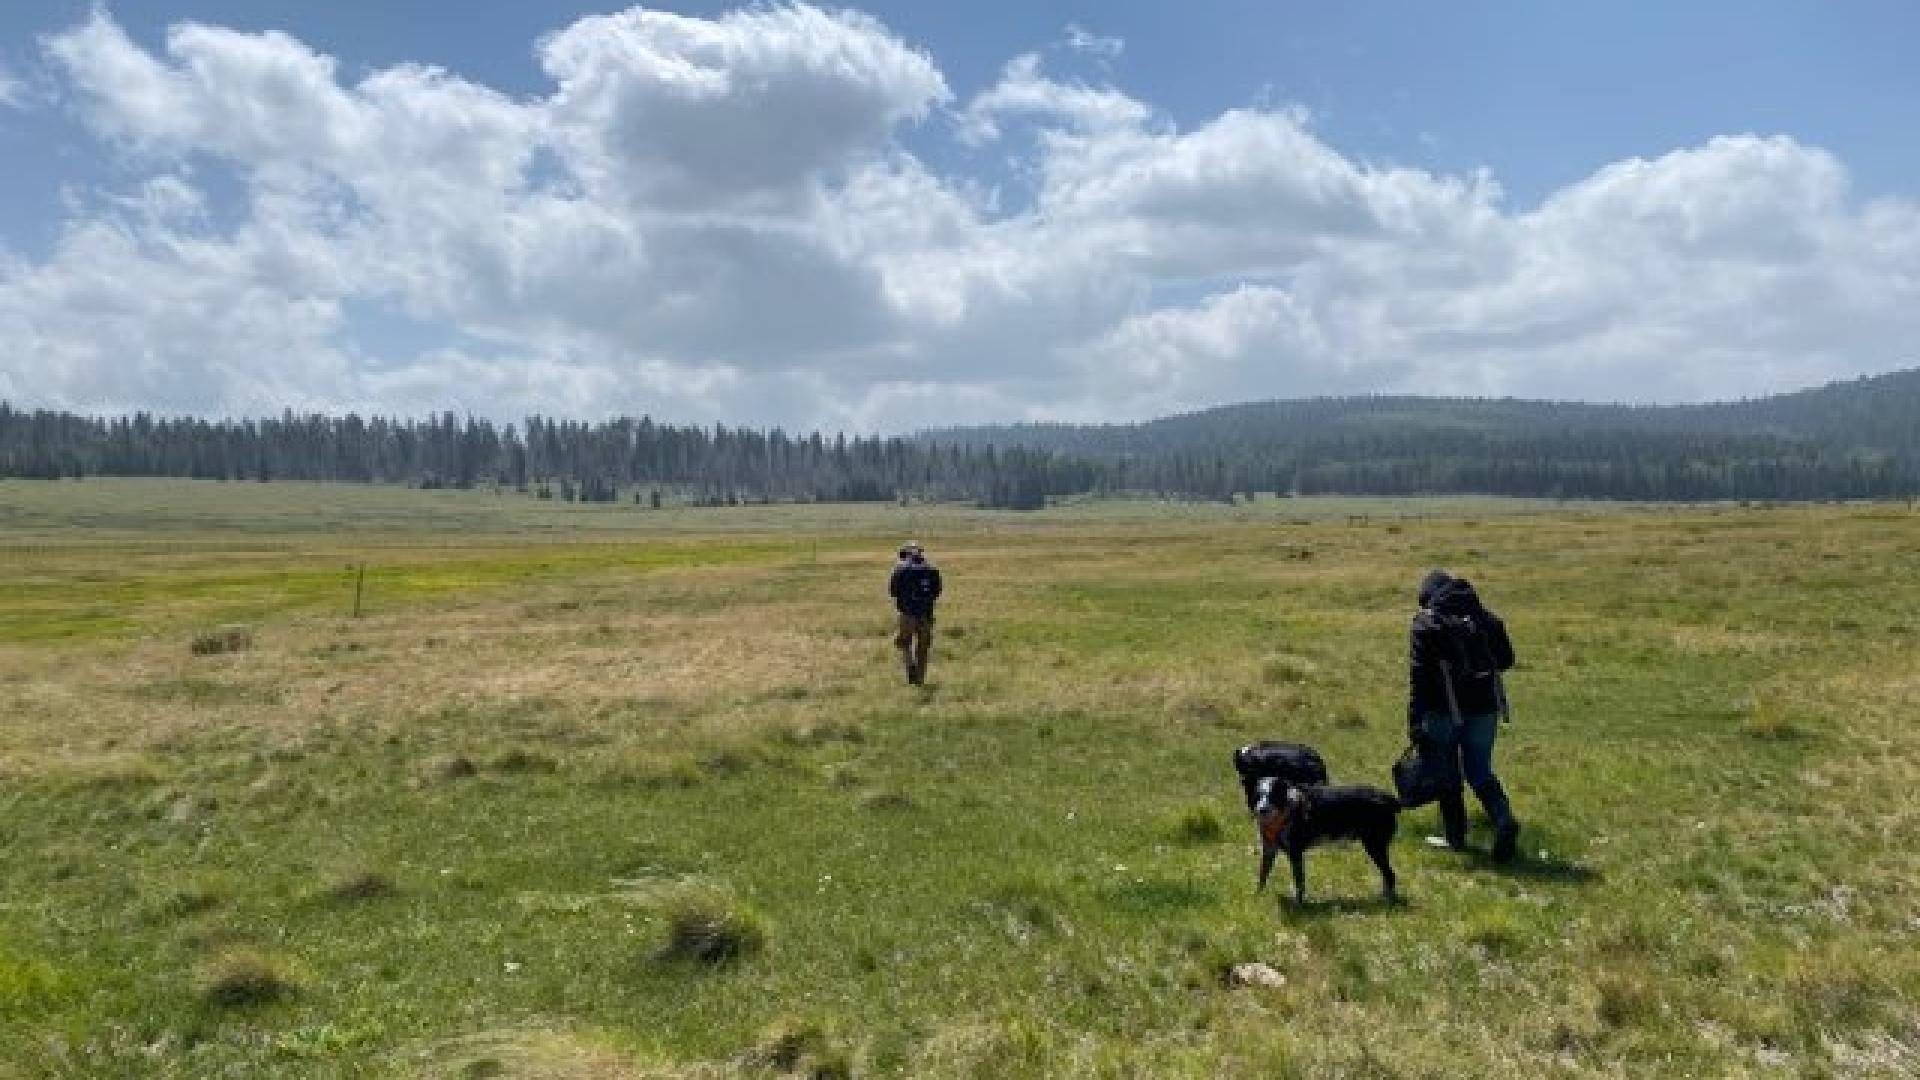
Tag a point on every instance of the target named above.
point(622, 459)
point(1857, 440)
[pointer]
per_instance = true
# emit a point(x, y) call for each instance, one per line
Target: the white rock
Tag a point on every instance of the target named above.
point(1254, 974)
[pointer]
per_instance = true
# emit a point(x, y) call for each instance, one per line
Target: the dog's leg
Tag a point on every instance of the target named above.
point(1377, 846)
point(1298, 859)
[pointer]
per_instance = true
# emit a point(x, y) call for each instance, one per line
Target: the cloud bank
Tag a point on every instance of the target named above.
point(722, 220)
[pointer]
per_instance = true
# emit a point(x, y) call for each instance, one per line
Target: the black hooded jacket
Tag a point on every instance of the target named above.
point(1444, 603)
point(914, 586)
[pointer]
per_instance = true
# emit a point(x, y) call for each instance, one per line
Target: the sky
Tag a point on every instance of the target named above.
point(904, 215)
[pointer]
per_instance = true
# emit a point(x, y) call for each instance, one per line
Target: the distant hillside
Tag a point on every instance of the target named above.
point(1858, 439)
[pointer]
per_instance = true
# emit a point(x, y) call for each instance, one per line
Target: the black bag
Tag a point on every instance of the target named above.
point(1474, 663)
point(1292, 764)
point(1420, 778)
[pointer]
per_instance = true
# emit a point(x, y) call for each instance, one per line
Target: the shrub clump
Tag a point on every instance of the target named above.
point(231, 638)
point(710, 928)
point(243, 977)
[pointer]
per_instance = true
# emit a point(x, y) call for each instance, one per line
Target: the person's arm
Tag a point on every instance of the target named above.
point(933, 583)
point(1419, 665)
point(893, 582)
point(1498, 643)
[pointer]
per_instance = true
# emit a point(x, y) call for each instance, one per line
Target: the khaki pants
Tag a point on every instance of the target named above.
point(914, 641)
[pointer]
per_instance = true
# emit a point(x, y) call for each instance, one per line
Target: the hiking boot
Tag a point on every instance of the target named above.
point(1504, 840)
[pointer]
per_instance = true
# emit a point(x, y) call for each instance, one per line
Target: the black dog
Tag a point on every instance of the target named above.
point(1294, 819)
point(1292, 764)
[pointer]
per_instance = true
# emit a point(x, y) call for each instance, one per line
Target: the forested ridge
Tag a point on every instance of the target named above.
point(1852, 440)
point(1856, 439)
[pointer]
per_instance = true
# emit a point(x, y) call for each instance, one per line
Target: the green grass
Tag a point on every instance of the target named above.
point(615, 792)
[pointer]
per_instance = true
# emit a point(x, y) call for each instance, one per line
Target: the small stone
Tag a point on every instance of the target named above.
point(1254, 974)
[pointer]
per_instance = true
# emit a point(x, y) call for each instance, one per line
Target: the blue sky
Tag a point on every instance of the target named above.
point(1445, 198)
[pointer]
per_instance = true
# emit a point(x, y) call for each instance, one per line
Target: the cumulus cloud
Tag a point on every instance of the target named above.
point(720, 219)
point(752, 111)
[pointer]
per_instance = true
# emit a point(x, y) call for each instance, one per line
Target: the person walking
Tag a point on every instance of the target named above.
point(1456, 701)
point(915, 586)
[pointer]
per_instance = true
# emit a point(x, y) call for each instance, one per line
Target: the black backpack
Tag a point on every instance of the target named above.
point(1469, 665)
point(1293, 764)
point(1470, 651)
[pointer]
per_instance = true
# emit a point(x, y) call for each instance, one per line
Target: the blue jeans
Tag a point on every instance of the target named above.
point(1472, 742)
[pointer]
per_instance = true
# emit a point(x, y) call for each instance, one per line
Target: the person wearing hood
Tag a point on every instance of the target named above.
point(914, 586)
point(1455, 700)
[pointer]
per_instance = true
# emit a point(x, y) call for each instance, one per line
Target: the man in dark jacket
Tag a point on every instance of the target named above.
point(915, 585)
point(1455, 700)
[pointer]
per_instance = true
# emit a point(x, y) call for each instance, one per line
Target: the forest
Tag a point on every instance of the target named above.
point(1851, 440)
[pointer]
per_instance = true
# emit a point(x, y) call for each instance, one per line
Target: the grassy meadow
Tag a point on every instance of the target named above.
point(611, 792)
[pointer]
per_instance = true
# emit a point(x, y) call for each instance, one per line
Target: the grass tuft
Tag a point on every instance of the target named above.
point(708, 927)
point(240, 978)
point(801, 1048)
point(188, 903)
point(1025, 908)
point(449, 767)
point(1198, 825)
point(231, 638)
point(1769, 721)
point(360, 885)
point(1287, 669)
point(519, 760)
point(1625, 998)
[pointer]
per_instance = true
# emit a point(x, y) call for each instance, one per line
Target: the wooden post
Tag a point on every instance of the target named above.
point(359, 581)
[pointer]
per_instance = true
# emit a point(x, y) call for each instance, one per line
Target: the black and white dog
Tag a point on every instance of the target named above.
point(1293, 818)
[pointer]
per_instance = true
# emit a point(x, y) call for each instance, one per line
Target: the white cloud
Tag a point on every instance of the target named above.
point(748, 112)
point(719, 220)
point(1025, 92)
point(1084, 41)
